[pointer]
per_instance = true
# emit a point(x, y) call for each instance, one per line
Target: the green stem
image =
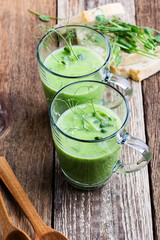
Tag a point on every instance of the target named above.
point(88, 123)
point(68, 44)
point(72, 50)
point(144, 53)
point(121, 46)
point(136, 38)
point(116, 25)
point(62, 38)
point(52, 55)
point(35, 13)
point(113, 57)
point(38, 14)
point(152, 29)
point(155, 30)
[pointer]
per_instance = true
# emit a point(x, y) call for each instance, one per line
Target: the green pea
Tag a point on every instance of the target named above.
point(98, 138)
point(67, 50)
point(103, 130)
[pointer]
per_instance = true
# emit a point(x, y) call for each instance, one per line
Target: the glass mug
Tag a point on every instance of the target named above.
point(89, 131)
point(87, 39)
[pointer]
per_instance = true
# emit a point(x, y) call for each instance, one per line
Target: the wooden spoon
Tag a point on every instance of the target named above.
point(42, 232)
point(10, 232)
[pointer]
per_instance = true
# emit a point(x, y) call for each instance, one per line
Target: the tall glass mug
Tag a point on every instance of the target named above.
point(89, 131)
point(74, 53)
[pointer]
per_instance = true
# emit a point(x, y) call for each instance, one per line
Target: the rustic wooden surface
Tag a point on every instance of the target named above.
point(26, 142)
point(128, 206)
point(148, 14)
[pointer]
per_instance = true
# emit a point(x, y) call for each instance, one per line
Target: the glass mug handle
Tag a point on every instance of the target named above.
point(121, 82)
point(125, 139)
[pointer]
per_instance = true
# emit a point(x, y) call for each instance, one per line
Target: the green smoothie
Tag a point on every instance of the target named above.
point(66, 64)
point(87, 162)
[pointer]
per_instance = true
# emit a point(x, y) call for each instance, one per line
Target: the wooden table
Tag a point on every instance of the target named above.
point(128, 206)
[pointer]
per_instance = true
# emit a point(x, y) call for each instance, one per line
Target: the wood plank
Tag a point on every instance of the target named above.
point(151, 98)
point(26, 142)
point(121, 209)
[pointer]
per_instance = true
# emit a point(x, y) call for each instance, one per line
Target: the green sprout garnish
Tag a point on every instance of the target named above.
point(127, 37)
point(43, 18)
point(70, 36)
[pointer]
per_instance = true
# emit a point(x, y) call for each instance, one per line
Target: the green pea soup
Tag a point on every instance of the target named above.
point(83, 160)
point(66, 65)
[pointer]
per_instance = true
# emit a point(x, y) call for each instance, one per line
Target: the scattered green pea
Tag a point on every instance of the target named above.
point(67, 50)
point(98, 138)
point(103, 130)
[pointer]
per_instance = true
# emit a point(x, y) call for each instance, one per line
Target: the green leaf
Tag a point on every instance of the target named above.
point(124, 43)
point(118, 60)
point(149, 31)
point(126, 50)
point(152, 42)
point(148, 46)
point(136, 30)
point(157, 38)
point(116, 50)
point(44, 18)
point(100, 18)
point(133, 44)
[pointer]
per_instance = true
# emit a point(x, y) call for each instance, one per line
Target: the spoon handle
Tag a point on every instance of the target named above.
point(6, 224)
point(11, 182)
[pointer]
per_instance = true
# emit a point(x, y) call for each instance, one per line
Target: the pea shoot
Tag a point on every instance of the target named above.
point(127, 37)
point(42, 17)
point(69, 37)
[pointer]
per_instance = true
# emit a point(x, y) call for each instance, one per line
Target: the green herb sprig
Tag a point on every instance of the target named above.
point(127, 37)
point(70, 35)
point(43, 18)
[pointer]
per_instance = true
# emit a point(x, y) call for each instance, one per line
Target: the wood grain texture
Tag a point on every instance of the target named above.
point(42, 231)
point(121, 209)
point(26, 142)
point(148, 14)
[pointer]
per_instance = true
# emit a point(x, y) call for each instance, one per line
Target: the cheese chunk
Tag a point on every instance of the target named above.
point(133, 65)
point(108, 10)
